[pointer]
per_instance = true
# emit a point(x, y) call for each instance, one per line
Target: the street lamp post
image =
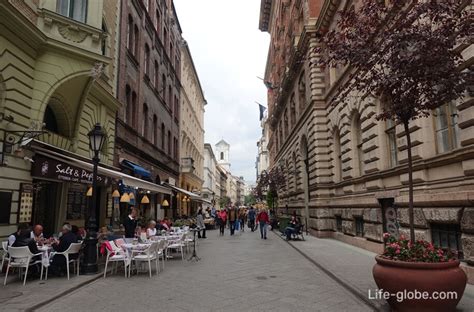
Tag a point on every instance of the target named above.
point(89, 266)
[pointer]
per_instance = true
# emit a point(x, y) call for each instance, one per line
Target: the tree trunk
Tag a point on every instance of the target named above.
point(410, 182)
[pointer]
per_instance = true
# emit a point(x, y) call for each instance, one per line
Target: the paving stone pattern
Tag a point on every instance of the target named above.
point(239, 273)
point(353, 266)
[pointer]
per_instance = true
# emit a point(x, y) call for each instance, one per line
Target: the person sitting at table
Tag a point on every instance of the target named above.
point(37, 233)
point(130, 223)
point(151, 230)
point(75, 231)
point(66, 239)
point(164, 224)
point(24, 239)
point(13, 236)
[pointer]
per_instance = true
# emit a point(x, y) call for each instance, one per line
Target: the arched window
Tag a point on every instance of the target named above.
point(295, 172)
point(104, 38)
point(169, 143)
point(285, 124)
point(302, 92)
point(158, 23)
point(133, 112)
point(156, 76)
point(337, 156)
point(50, 120)
point(145, 121)
point(128, 105)
point(136, 36)
point(163, 81)
point(305, 157)
point(163, 136)
point(292, 110)
point(390, 131)
point(147, 60)
point(130, 43)
point(170, 96)
point(446, 127)
point(75, 9)
point(155, 130)
point(357, 144)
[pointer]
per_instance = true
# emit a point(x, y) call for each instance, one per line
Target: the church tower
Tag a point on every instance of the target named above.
point(222, 154)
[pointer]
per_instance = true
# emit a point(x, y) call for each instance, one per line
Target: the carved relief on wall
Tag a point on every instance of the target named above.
point(72, 33)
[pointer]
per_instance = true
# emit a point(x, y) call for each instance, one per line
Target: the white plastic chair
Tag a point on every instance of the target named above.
point(116, 254)
point(20, 257)
point(178, 245)
point(161, 252)
point(147, 255)
point(4, 253)
point(73, 249)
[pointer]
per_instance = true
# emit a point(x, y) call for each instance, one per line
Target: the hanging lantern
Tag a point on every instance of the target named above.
point(125, 198)
point(116, 194)
point(165, 203)
point(89, 192)
point(131, 195)
point(145, 200)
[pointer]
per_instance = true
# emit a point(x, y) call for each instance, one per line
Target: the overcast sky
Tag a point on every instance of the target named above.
point(229, 52)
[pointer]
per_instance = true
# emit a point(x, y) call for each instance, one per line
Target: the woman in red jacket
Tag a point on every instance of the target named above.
point(263, 219)
point(222, 215)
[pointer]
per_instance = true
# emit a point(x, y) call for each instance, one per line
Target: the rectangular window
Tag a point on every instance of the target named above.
point(5, 210)
point(75, 9)
point(392, 142)
point(339, 223)
point(447, 236)
point(359, 225)
point(446, 127)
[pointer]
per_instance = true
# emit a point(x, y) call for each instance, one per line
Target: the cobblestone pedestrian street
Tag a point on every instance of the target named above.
point(239, 273)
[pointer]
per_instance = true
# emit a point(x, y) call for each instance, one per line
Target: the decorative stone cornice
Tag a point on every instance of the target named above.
point(265, 14)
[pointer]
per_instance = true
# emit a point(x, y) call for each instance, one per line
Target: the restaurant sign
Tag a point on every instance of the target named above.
point(49, 168)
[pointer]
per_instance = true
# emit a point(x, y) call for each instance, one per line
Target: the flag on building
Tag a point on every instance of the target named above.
point(262, 110)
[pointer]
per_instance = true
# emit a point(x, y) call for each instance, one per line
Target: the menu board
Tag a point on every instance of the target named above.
point(26, 203)
point(76, 202)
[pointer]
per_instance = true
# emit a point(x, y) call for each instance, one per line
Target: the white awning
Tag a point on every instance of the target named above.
point(185, 192)
point(126, 179)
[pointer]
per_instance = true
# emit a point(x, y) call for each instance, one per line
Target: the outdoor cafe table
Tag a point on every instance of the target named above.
point(45, 254)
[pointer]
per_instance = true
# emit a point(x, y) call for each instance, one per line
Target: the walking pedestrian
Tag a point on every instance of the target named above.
point(233, 218)
point(263, 220)
point(200, 224)
point(242, 217)
point(222, 218)
point(251, 216)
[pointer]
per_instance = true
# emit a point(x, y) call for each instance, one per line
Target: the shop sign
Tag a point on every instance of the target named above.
point(53, 169)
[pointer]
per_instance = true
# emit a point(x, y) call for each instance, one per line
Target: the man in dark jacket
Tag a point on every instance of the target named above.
point(24, 239)
point(68, 237)
point(232, 216)
point(130, 223)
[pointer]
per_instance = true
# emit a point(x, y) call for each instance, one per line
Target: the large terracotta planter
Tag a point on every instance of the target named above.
point(412, 277)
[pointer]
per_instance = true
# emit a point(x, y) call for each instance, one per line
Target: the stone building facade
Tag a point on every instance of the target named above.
point(345, 170)
point(262, 161)
point(149, 86)
point(192, 129)
point(57, 61)
point(212, 188)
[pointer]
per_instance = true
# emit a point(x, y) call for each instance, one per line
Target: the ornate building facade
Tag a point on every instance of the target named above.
point(149, 84)
point(58, 61)
point(345, 170)
point(192, 129)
